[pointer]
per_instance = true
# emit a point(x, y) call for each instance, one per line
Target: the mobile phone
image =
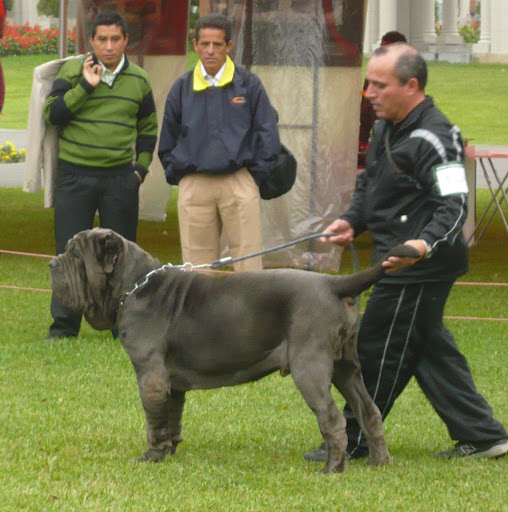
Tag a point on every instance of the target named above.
point(95, 60)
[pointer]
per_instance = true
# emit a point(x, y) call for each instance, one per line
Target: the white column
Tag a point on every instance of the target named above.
point(26, 11)
point(387, 17)
point(450, 33)
point(372, 26)
point(17, 11)
point(428, 21)
point(464, 12)
point(485, 22)
point(483, 45)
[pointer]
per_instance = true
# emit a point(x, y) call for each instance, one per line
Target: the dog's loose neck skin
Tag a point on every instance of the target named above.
point(134, 270)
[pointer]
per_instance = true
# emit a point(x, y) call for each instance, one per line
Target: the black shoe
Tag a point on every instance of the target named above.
point(320, 454)
point(486, 450)
point(56, 337)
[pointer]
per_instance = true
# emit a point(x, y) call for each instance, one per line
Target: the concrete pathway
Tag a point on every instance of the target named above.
point(17, 137)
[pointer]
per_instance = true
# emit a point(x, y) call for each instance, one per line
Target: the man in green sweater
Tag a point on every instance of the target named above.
point(104, 108)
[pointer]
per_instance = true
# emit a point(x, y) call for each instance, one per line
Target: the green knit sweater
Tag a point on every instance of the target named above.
point(102, 127)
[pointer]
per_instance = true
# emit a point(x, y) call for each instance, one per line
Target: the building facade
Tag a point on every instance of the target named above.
point(417, 19)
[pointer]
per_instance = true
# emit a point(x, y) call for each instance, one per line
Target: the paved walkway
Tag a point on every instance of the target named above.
point(18, 138)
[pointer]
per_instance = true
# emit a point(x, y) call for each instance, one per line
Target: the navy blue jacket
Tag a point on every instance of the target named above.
point(220, 129)
point(399, 206)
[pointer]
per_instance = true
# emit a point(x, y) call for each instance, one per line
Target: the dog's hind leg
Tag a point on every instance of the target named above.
point(347, 378)
point(313, 382)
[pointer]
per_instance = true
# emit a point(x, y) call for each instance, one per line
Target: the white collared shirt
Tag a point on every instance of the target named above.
point(108, 77)
point(213, 80)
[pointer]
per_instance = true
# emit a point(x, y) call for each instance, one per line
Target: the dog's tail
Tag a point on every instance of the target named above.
point(354, 284)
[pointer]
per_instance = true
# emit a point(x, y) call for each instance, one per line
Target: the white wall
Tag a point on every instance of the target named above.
point(499, 27)
point(26, 10)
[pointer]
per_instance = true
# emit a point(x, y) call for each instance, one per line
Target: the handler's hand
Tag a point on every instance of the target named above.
point(343, 230)
point(92, 73)
point(393, 263)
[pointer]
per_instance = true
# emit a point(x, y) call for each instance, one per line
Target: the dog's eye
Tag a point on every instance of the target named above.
point(75, 255)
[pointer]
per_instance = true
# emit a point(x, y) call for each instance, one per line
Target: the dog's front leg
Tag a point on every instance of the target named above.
point(154, 391)
point(176, 403)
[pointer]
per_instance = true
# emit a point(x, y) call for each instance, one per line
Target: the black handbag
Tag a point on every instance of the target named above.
point(283, 176)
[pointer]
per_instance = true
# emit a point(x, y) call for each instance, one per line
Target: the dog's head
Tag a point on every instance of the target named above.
point(89, 276)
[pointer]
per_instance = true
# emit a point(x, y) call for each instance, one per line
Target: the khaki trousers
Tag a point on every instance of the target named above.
point(209, 203)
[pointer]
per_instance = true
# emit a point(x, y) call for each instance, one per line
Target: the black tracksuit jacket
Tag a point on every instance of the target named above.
point(397, 205)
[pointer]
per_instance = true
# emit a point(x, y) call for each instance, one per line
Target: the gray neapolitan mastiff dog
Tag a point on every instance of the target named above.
point(191, 330)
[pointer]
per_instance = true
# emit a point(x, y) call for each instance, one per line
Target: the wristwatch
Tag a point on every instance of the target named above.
point(428, 250)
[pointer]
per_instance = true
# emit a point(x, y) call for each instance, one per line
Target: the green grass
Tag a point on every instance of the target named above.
point(71, 422)
point(18, 73)
point(473, 96)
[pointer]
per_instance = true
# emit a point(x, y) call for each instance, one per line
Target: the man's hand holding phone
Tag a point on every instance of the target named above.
point(92, 70)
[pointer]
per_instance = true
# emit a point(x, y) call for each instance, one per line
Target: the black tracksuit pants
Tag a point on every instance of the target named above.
point(402, 335)
point(77, 197)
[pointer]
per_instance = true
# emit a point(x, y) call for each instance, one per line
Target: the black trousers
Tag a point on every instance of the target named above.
point(77, 197)
point(402, 335)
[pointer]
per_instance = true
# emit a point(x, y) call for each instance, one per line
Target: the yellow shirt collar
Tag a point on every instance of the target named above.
point(200, 84)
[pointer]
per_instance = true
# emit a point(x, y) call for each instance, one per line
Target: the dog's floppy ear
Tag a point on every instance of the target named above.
point(110, 246)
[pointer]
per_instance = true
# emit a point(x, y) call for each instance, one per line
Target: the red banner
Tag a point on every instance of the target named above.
point(156, 27)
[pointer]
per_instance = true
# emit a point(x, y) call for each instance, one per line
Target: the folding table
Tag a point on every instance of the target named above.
point(497, 181)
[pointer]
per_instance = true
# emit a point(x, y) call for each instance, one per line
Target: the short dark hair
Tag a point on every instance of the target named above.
point(214, 20)
point(393, 37)
point(410, 63)
point(109, 18)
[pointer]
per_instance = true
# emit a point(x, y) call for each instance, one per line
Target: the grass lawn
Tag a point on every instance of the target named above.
point(473, 96)
point(18, 74)
point(72, 423)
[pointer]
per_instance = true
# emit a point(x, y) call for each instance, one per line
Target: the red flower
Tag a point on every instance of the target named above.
point(25, 39)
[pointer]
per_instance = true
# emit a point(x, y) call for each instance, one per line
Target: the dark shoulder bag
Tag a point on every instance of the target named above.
point(283, 175)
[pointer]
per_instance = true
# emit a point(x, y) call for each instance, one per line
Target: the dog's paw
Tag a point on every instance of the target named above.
point(156, 455)
point(335, 467)
point(379, 461)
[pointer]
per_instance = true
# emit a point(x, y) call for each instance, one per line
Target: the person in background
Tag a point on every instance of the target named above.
point(219, 141)
point(414, 191)
point(367, 114)
point(104, 108)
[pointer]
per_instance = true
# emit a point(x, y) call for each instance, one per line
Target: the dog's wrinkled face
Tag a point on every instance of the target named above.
point(81, 276)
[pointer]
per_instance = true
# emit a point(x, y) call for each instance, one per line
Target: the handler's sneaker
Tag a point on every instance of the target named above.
point(486, 450)
point(317, 455)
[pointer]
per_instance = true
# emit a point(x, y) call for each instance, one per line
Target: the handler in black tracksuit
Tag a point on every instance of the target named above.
point(414, 191)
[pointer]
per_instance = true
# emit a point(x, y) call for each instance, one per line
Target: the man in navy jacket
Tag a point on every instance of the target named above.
point(219, 141)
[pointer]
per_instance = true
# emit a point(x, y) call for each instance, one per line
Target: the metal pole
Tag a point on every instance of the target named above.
point(62, 44)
